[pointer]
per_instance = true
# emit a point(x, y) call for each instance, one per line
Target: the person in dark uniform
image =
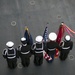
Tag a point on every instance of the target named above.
point(66, 46)
point(10, 54)
point(24, 52)
point(51, 46)
point(38, 51)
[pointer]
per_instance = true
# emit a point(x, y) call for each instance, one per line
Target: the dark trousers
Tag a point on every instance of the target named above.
point(12, 63)
point(38, 59)
point(63, 55)
point(25, 61)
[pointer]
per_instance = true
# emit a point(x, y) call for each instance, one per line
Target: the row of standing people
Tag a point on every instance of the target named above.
point(38, 49)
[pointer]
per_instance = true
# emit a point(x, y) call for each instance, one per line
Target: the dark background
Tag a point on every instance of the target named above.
point(36, 14)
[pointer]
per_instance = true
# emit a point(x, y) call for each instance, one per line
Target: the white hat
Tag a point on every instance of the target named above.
point(62, 23)
point(23, 39)
point(52, 36)
point(67, 37)
point(9, 44)
point(39, 38)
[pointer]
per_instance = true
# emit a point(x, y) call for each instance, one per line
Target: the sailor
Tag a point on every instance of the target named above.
point(66, 46)
point(10, 54)
point(38, 51)
point(24, 52)
point(51, 46)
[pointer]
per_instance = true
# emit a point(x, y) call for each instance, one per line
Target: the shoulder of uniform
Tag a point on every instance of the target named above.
point(4, 51)
point(19, 47)
point(34, 43)
point(33, 46)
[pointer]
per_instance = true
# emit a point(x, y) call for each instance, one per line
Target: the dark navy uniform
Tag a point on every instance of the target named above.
point(11, 55)
point(51, 49)
point(52, 45)
point(38, 53)
point(66, 46)
point(24, 52)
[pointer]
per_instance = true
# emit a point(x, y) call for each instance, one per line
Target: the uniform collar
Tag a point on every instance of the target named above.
point(24, 44)
point(10, 48)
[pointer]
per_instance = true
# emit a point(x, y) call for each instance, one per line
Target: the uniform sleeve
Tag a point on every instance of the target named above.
point(58, 47)
point(33, 49)
point(17, 53)
point(71, 46)
point(19, 50)
point(4, 53)
point(62, 43)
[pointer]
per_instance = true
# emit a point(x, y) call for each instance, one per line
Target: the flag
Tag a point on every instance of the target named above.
point(60, 34)
point(45, 35)
point(28, 36)
point(45, 39)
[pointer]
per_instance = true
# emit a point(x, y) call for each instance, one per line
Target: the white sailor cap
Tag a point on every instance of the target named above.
point(52, 36)
point(23, 39)
point(39, 38)
point(67, 37)
point(62, 23)
point(9, 44)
